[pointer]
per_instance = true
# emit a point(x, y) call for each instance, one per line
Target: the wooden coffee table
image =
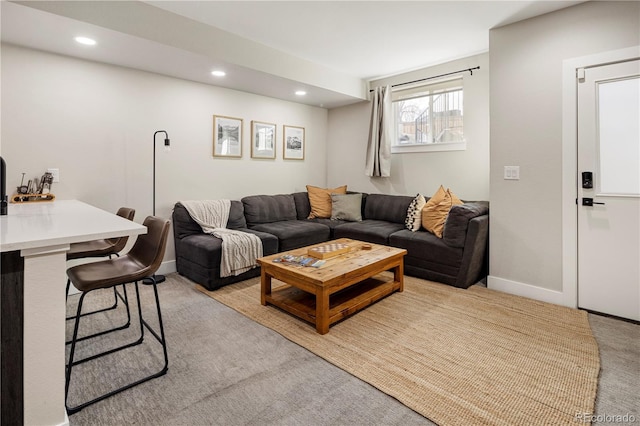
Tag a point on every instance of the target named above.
point(342, 286)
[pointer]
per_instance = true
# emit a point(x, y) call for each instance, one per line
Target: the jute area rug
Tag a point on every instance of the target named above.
point(458, 357)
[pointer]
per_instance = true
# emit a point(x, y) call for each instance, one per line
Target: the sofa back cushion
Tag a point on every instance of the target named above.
point(269, 208)
point(236, 216)
point(184, 225)
point(455, 227)
point(303, 206)
point(392, 208)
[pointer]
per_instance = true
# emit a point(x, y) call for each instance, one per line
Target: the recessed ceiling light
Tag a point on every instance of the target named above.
point(218, 73)
point(86, 40)
point(300, 92)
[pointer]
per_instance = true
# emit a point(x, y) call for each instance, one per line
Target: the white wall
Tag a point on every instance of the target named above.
point(465, 172)
point(95, 122)
point(526, 130)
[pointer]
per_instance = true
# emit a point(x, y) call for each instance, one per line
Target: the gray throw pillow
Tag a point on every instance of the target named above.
point(346, 207)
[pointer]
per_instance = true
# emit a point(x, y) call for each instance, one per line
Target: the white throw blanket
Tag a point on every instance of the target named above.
point(239, 249)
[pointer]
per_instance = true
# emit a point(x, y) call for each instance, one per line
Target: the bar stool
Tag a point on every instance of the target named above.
point(101, 248)
point(141, 262)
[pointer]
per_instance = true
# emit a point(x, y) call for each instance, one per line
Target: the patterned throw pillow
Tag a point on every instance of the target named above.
point(414, 213)
point(436, 210)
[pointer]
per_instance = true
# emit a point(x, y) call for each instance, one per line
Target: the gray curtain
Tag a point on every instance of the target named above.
point(380, 133)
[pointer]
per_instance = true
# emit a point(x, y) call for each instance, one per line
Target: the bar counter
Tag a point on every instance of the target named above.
point(34, 239)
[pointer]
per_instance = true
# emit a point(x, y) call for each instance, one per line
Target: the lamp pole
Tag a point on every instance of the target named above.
point(167, 144)
point(158, 278)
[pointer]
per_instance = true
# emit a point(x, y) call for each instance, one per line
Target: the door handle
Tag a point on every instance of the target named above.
point(589, 202)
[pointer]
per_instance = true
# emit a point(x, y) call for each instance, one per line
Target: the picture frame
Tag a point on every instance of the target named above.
point(293, 143)
point(227, 136)
point(263, 140)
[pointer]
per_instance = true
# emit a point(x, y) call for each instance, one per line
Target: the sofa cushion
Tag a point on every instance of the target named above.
point(206, 250)
point(198, 258)
point(390, 208)
point(372, 231)
point(435, 211)
point(268, 208)
point(346, 207)
point(455, 227)
point(428, 248)
point(236, 216)
point(303, 206)
point(331, 224)
point(320, 199)
point(295, 233)
point(414, 213)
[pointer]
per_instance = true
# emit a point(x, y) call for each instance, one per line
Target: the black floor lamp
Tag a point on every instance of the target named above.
point(159, 278)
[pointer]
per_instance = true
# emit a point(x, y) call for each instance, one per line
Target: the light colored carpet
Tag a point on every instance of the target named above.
point(456, 356)
point(224, 370)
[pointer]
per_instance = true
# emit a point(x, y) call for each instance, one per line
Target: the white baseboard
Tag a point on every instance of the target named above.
point(167, 267)
point(526, 290)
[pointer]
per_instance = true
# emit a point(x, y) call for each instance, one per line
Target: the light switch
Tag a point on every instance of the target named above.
point(512, 172)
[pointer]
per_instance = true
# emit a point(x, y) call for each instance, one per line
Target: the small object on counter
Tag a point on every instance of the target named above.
point(45, 183)
point(23, 189)
point(30, 198)
point(366, 247)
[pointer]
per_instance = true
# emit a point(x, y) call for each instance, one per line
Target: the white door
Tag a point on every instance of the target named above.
point(609, 198)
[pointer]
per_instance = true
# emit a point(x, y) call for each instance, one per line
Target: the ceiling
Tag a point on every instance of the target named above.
point(330, 49)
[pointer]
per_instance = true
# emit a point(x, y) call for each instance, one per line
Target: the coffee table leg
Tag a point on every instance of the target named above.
point(398, 275)
point(322, 311)
point(265, 286)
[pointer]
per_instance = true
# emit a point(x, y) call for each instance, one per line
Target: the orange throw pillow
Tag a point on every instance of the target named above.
point(320, 200)
point(435, 212)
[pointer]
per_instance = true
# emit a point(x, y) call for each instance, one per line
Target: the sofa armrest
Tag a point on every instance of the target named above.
point(457, 223)
point(475, 254)
point(183, 224)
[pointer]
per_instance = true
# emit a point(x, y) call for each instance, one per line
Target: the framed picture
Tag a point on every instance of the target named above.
point(263, 140)
point(227, 136)
point(293, 141)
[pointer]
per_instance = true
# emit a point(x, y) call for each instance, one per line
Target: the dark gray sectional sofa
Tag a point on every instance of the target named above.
point(280, 221)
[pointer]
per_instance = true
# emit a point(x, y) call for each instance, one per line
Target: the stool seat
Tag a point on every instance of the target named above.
point(96, 248)
point(108, 273)
point(101, 248)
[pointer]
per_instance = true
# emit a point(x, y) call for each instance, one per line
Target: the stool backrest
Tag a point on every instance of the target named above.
point(149, 248)
point(120, 242)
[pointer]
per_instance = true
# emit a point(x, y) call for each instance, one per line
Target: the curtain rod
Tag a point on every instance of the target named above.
point(470, 70)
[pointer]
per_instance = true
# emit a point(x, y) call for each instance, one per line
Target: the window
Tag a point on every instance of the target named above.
point(429, 117)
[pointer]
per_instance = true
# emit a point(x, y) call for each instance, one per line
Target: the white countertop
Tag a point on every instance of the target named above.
point(42, 224)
